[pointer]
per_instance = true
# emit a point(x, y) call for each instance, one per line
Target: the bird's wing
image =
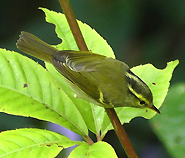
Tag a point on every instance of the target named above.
point(80, 61)
point(77, 67)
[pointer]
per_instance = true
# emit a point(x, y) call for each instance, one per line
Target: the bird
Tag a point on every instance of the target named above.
point(102, 80)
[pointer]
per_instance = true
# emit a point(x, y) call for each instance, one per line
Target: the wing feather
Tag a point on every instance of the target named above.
point(78, 79)
point(80, 61)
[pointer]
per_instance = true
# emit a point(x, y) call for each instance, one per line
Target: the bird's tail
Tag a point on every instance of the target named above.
point(33, 46)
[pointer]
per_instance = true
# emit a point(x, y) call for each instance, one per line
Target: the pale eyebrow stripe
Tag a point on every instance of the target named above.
point(132, 78)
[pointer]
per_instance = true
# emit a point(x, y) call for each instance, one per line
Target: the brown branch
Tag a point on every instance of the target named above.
point(122, 135)
point(70, 16)
point(89, 140)
point(67, 9)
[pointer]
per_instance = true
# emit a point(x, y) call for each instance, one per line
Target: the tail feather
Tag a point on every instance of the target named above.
point(33, 46)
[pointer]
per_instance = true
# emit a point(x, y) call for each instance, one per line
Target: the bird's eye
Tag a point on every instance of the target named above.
point(142, 102)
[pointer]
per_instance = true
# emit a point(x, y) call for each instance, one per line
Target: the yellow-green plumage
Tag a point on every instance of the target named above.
point(96, 78)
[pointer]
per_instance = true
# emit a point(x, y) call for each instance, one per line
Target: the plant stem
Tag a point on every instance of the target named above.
point(89, 140)
point(121, 133)
point(70, 16)
point(67, 9)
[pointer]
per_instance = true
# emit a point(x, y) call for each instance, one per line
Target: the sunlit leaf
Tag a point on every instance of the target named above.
point(92, 38)
point(33, 143)
point(27, 89)
point(97, 150)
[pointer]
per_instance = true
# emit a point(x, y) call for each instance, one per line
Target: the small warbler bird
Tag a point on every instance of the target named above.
point(101, 80)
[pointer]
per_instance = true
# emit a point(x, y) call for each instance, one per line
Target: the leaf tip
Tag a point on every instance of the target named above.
point(174, 63)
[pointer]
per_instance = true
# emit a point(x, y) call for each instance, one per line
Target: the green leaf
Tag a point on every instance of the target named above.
point(92, 38)
point(158, 81)
point(169, 126)
point(27, 89)
point(97, 150)
point(33, 143)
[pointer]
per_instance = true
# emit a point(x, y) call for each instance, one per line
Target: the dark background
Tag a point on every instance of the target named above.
point(139, 31)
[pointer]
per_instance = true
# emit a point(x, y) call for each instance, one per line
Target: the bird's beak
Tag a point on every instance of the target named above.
point(154, 109)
